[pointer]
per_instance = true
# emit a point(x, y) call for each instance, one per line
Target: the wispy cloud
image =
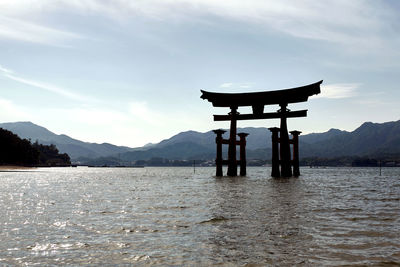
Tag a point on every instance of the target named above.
point(236, 85)
point(5, 70)
point(337, 91)
point(23, 30)
point(372, 103)
point(226, 85)
point(359, 19)
point(41, 85)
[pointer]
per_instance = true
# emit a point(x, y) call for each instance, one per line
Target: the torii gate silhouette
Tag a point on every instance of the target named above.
point(281, 156)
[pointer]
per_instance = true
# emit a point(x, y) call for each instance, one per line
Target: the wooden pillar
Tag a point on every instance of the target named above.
point(218, 160)
point(296, 167)
point(242, 143)
point(286, 169)
point(232, 164)
point(275, 152)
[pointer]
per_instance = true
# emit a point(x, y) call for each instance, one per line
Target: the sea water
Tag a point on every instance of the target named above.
point(175, 216)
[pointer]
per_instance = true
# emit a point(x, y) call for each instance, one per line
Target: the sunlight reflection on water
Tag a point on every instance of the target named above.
point(172, 216)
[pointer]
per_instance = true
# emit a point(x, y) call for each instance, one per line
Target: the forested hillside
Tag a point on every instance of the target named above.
point(17, 151)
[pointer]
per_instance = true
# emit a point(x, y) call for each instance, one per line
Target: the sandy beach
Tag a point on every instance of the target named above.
point(14, 167)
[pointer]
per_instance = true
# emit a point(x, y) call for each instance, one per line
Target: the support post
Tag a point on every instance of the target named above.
point(296, 165)
point(218, 160)
point(232, 164)
point(275, 152)
point(242, 153)
point(286, 169)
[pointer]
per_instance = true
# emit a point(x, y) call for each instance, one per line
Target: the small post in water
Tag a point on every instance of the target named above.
point(194, 166)
point(380, 168)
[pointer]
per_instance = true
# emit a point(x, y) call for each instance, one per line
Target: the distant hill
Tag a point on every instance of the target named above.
point(196, 145)
point(321, 137)
point(258, 138)
point(370, 139)
point(74, 148)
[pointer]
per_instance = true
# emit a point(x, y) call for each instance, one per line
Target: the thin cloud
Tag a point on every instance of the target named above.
point(360, 20)
point(41, 85)
point(358, 25)
point(338, 91)
point(22, 30)
point(236, 85)
point(372, 103)
point(226, 85)
point(245, 86)
point(5, 70)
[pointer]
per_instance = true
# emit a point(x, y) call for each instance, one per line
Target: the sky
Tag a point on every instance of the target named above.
point(130, 72)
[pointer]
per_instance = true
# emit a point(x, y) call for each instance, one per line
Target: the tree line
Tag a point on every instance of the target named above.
point(17, 151)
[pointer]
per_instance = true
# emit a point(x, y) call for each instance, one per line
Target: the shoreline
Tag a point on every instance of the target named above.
point(15, 167)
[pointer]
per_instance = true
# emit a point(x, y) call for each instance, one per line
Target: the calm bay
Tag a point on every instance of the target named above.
point(175, 216)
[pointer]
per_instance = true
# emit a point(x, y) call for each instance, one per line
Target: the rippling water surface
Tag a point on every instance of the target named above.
point(172, 216)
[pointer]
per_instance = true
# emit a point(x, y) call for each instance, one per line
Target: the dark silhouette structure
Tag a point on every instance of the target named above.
point(281, 156)
point(219, 162)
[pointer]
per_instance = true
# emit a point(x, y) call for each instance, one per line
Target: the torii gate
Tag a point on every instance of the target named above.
point(257, 100)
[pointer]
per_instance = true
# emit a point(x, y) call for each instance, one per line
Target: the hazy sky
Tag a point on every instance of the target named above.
point(130, 72)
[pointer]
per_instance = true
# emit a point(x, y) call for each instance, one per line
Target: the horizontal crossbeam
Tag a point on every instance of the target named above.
point(258, 99)
point(226, 142)
point(272, 115)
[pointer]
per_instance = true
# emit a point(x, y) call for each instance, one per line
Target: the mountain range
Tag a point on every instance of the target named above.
point(65, 144)
point(370, 139)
